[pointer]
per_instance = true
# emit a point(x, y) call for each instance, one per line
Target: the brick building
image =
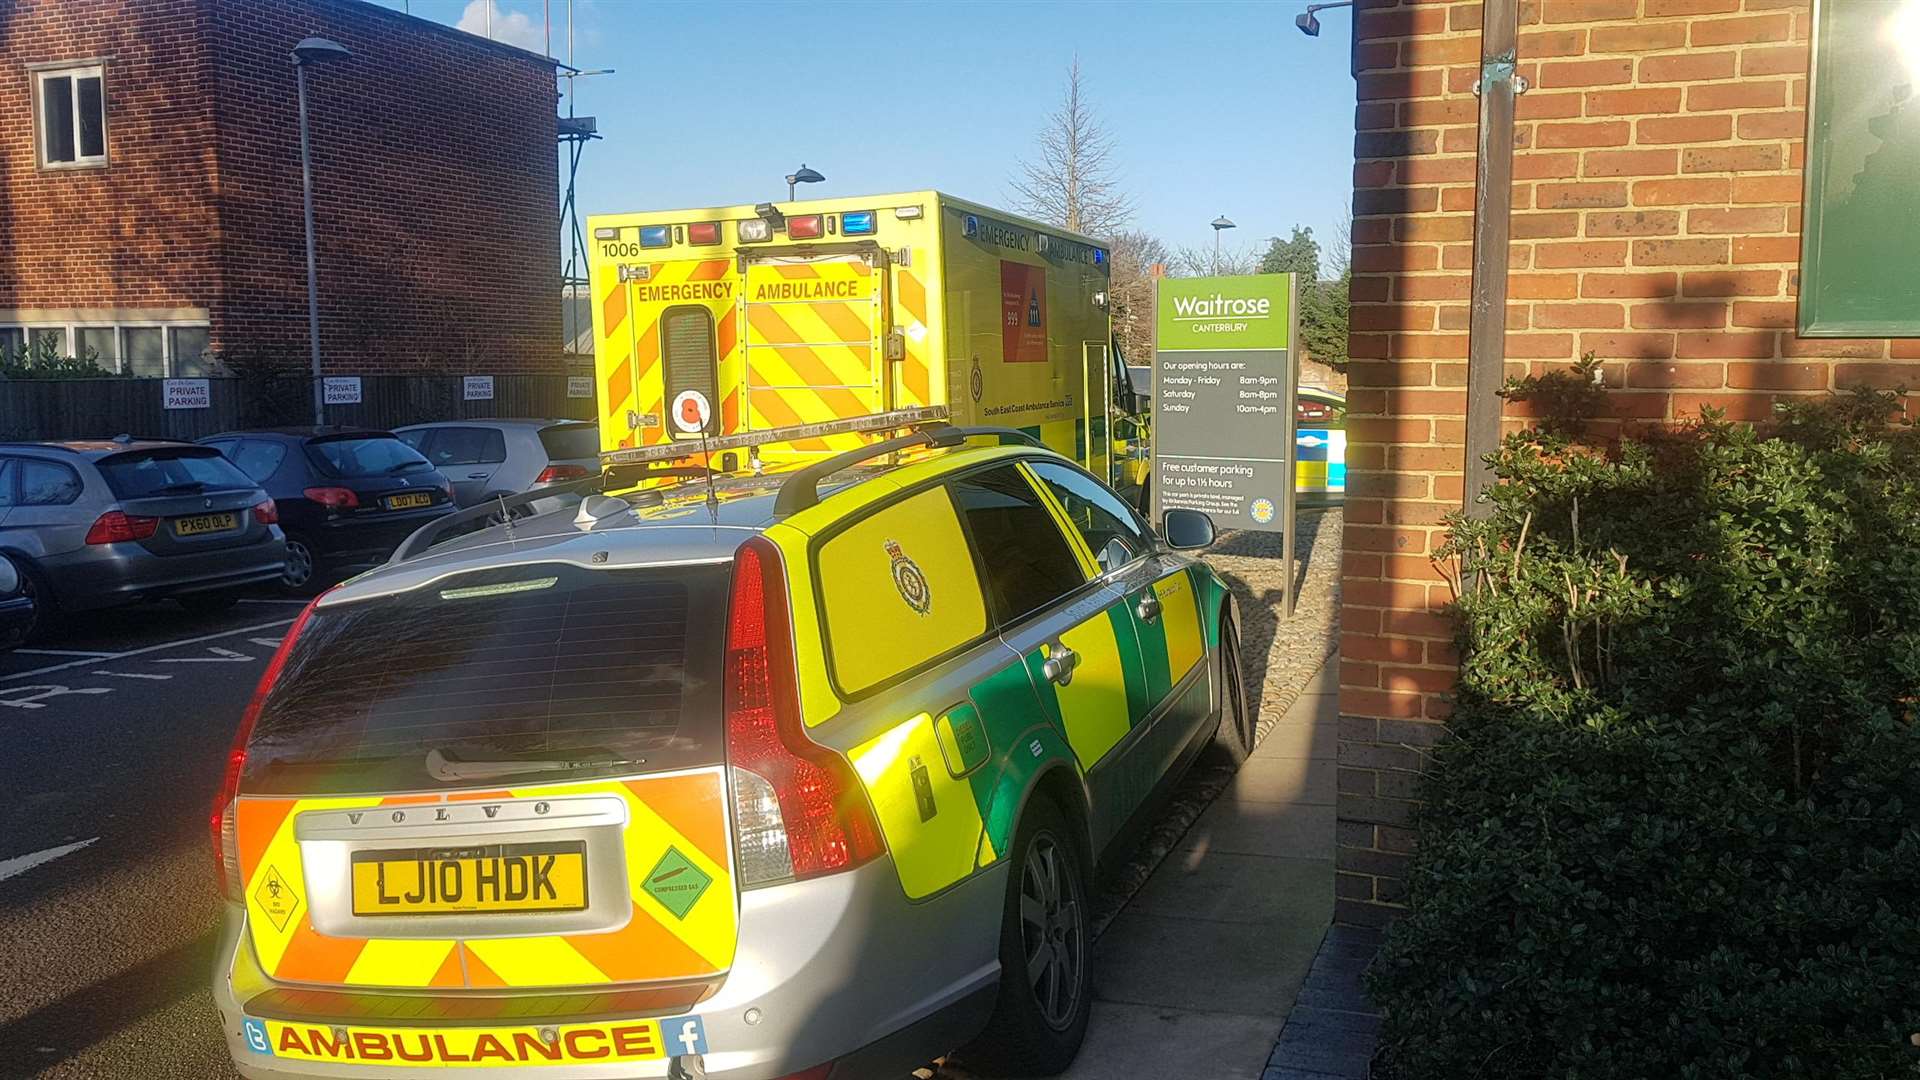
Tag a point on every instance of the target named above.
point(150, 205)
point(1656, 218)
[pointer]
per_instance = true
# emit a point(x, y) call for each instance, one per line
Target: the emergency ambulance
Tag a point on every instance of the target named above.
point(794, 776)
point(824, 309)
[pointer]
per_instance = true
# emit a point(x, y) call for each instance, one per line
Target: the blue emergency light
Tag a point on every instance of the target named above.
point(858, 223)
point(656, 236)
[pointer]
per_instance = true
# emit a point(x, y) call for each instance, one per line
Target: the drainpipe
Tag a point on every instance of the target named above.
point(1492, 211)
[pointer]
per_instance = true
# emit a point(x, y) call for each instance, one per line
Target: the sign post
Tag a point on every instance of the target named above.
point(1224, 388)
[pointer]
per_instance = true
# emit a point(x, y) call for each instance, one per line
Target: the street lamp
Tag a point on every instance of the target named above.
point(313, 50)
point(1309, 25)
point(803, 175)
point(1220, 224)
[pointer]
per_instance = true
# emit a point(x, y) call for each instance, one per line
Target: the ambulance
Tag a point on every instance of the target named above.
point(810, 311)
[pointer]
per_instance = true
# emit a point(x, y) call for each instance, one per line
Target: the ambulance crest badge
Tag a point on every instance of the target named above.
point(909, 580)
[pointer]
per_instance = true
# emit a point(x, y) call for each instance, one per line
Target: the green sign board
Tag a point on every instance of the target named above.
point(1248, 312)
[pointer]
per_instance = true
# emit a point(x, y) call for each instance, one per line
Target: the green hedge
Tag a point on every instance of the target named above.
point(1676, 831)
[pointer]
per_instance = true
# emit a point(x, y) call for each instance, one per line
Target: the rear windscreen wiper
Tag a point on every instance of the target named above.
point(405, 465)
point(181, 488)
point(442, 767)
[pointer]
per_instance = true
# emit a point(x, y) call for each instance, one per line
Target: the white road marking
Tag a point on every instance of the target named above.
point(220, 656)
point(269, 642)
point(67, 652)
point(33, 701)
point(132, 675)
point(254, 629)
point(21, 864)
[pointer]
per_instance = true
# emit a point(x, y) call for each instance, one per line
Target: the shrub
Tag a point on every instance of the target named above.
point(40, 359)
point(1676, 830)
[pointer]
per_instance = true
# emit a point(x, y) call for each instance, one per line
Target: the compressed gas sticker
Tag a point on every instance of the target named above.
point(909, 580)
point(676, 883)
point(276, 899)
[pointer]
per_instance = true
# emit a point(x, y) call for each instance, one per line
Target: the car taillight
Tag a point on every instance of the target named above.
point(114, 526)
point(226, 845)
point(333, 498)
point(553, 474)
point(799, 810)
point(266, 513)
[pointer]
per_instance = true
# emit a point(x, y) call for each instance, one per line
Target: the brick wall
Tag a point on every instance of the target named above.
point(436, 182)
point(139, 233)
point(436, 191)
point(1656, 216)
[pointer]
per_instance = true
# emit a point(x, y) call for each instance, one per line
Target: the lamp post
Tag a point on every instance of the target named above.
point(313, 50)
point(1309, 25)
point(802, 175)
point(1220, 225)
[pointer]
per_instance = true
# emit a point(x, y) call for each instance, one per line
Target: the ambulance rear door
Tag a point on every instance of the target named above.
point(815, 326)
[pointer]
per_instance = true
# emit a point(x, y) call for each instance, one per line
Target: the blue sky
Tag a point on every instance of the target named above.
point(1214, 107)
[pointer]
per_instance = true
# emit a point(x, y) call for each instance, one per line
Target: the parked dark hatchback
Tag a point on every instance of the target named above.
point(347, 496)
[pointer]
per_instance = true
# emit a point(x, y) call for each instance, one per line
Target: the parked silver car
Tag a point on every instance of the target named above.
point(91, 524)
point(486, 458)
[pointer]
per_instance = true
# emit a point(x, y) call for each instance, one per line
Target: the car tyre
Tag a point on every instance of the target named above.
point(46, 612)
point(1046, 992)
point(1235, 735)
point(302, 573)
point(208, 603)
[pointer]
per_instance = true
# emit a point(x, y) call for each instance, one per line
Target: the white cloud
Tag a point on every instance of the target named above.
point(507, 27)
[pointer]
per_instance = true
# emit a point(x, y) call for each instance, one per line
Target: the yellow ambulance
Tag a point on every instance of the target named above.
point(802, 312)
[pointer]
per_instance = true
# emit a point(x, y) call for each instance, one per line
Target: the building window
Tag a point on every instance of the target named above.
point(143, 351)
point(177, 350)
point(73, 116)
point(187, 345)
point(98, 343)
point(13, 341)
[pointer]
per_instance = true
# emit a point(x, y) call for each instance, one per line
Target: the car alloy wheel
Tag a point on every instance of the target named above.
point(299, 569)
point(1053, 929)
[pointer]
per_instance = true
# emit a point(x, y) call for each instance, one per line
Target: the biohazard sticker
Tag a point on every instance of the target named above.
point(909, 580)
point(276, 899)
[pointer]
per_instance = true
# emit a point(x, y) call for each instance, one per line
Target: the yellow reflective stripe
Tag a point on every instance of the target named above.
point(540, 961)
point(928, 854)
point(709, 926)
point(1093, 704)
point(1180, 616)
point(1089, 566)
point(985, 856)
point(818, 702)
point(398, 962)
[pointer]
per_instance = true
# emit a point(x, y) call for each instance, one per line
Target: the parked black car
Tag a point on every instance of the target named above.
point(347, 496)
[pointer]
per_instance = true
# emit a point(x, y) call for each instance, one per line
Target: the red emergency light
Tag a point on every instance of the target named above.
point(703, 233)
point(806, 227)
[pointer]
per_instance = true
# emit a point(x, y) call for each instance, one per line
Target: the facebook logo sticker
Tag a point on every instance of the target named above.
point(256, 1033)
point(685, 1035)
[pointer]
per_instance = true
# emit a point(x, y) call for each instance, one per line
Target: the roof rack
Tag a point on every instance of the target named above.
point(887, 421)
point(802, 489)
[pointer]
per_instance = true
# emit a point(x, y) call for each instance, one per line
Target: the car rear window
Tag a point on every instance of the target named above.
point(138, 474)
point(365, 455)
point(520, 674)
point(571, 441)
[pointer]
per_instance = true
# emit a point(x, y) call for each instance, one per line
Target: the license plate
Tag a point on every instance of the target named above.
point(204, 523)
point(476, 880)
point(409, 500)
point(444, 1047)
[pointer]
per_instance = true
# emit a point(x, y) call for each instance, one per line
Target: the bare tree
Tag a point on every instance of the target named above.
point(1200, 262)
point(1137, 257)
point(1070, 180)
point(1339, 245)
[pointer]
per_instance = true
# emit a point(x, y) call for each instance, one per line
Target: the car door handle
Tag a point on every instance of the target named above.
point(477, 475)
point(1059, 664)
point(1148, 609)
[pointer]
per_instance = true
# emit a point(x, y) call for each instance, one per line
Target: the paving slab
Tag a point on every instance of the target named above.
point(1318, 740)
point(1303, 781)
point(1225, 887)
point(1203, 965)
point(1143, 1041)
point(1282, 830)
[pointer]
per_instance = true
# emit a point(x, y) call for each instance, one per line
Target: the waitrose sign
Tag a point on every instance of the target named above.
point(1250, 312)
